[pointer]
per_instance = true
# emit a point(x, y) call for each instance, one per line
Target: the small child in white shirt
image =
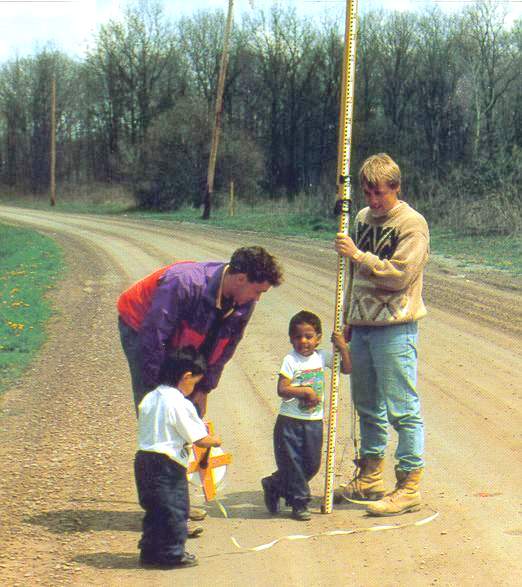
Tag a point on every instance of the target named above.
point(168, 425)
point(298, 431)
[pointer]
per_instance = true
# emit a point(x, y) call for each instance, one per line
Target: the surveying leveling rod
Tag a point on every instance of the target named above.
point(344, 204)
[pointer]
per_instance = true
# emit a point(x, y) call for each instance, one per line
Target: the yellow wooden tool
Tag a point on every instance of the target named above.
point(210, 465)
point(344, 200)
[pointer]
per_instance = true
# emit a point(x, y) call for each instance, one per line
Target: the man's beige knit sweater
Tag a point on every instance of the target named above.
point(386, 285)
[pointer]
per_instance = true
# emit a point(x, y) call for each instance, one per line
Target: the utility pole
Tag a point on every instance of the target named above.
point(231, 200)
point(216, 131)
point(53, 141)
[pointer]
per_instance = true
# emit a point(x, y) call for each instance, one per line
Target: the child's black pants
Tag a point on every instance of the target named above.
point(297, 447)
point(163, 494)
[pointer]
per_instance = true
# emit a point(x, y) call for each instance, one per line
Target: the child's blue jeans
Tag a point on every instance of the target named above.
point(297, 447)
point(163, 494)
point(384, 391)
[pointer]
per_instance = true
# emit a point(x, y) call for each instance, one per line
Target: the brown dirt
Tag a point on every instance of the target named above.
point(68, 511)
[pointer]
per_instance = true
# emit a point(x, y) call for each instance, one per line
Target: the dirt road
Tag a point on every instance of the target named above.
point(68, 508)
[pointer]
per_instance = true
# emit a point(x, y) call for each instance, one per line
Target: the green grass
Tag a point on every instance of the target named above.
point(81, 199)
point(270, 220)
point(499, 252)
point(287, 219)
point(29, 266)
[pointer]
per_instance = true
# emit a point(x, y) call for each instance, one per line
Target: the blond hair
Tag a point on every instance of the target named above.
point(380, 168)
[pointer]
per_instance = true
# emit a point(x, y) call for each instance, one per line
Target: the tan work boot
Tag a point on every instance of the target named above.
point(197, 514)
point(367, 485)
point(404, 498)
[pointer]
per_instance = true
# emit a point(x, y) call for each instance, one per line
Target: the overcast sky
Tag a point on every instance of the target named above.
point(28, 25)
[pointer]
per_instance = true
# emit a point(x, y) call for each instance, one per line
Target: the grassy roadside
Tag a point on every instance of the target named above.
point(498, 252)
point(295, 219)
point(495, 251)
point(29, 266)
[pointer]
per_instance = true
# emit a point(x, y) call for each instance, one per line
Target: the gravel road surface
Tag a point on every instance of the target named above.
point(68, 508)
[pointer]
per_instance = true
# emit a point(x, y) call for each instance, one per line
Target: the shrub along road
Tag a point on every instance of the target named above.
point(67, 430)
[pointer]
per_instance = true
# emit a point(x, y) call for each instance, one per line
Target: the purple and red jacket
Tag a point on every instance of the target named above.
point(175, 307)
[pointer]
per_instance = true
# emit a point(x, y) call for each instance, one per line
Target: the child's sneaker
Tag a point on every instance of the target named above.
point(302, 514)
point(185, 560)
point(271, 496)
point(197, 514)
point(194, 530)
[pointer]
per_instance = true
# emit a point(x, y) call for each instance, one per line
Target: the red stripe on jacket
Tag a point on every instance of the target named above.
point(134, 302)
point(187, 336)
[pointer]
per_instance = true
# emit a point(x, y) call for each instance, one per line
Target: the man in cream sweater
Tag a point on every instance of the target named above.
point(387, 258)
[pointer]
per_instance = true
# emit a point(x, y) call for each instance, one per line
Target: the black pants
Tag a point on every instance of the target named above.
point(163, 493)
point(297, 447)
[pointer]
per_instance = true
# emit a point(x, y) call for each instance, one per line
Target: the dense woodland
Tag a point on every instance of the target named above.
point(442, 94)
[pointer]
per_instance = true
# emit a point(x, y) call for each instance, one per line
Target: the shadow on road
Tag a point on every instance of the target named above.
point(74, 520)
point(250, 505)
point(108, 560)
point(247, 505)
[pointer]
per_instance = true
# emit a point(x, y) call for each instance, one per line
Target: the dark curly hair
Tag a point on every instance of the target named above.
point(258, 264)
point(305, 317)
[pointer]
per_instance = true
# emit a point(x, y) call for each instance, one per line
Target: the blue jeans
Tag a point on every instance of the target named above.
point(297, 447)
point(163, 493)
point(384, 391)
point(131, 348)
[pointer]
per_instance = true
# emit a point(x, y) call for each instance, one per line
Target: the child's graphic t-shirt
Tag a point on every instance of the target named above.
point(307, 372)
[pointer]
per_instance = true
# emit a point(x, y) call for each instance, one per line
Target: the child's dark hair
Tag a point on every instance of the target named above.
point(181, 361)
point(305, 317)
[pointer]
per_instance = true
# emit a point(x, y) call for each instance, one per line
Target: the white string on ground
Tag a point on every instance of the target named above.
point(292, 537)
point(221, 508)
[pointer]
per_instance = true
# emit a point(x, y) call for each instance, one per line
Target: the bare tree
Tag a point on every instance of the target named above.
point(438, 110)
point(494, 64)
point(398, 45)
point(14, 93)
point(133, 65)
